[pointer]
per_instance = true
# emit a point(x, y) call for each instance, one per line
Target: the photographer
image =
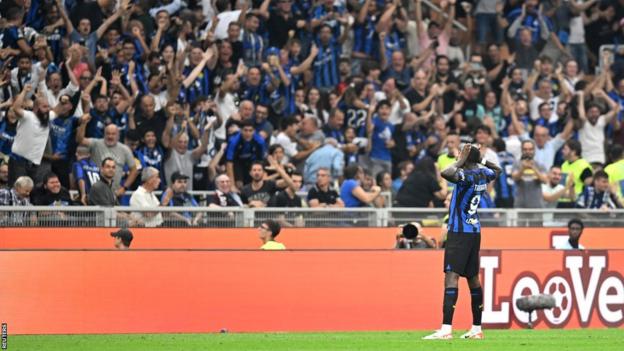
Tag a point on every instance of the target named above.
point(410, 237)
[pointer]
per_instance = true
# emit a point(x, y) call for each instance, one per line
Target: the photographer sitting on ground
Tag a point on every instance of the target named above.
point(411, 237)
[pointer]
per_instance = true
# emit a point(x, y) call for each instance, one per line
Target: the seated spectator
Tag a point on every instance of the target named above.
point(4, 175)
point(422, 186)
point(322, 194)
point(411, 237)
point(288, 197)
point(145, 198)
point(575, 230)
point(224, 196)
point(384, 180)
point(268, 231)
point(84, 174)
point(351, 191)
point(176, 195)
point(18, 195)
point(328, 156)
point(51, 193)
point(598, 195)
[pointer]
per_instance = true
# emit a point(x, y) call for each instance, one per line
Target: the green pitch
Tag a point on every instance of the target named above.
point(499, 340)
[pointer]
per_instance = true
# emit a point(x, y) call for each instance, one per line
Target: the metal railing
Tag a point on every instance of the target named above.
point(235, 217)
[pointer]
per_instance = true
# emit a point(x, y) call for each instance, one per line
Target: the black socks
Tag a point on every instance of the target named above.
point(450, 299)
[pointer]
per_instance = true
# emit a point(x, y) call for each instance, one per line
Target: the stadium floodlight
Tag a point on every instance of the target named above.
point(531, 303)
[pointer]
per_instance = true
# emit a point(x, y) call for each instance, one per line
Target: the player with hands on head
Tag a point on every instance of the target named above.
point(461, 253)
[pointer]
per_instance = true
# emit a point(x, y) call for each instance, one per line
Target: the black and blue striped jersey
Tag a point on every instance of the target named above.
point(472, 184)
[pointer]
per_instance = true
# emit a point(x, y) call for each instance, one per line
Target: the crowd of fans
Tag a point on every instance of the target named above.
point(343, 99)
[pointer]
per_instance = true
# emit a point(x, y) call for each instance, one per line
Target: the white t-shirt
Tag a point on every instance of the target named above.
point(566, 246)
point(290, 147)
point(226, 107)
point(592, 139)
point(31, 137)
point(536, 101)
point(549, 190)
point(577, 29)
point(144, 199)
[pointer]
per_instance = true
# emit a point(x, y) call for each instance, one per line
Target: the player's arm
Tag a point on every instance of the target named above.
point(493, 166)
point(450, 173)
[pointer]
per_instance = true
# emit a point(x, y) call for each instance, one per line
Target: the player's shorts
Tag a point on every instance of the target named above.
point(461, 253)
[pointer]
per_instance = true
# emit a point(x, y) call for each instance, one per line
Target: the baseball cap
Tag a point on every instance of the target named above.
point(124, 234)
point(272, 51)
point(177, 175)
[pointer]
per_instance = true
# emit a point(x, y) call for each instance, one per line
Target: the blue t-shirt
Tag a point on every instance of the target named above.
point(472, 184)
point(504, 185)
point(86, 170)
point(346, 193)
point(382, 132)
point(62, 135)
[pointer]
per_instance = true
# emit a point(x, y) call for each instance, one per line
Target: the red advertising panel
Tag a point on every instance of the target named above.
point(54, 292)
point(294, 238)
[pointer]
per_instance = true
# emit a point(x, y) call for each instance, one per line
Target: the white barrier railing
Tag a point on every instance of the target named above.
point(234, 217)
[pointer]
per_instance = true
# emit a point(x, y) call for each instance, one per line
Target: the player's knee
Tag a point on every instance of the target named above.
point(451, 280)
point(474, 282)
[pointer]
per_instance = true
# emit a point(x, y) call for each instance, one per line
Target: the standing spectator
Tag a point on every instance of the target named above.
point(150, 154)
point(110, 147)
point(528, 177)
point(84, 174)
point(101, 192)
point(487, 14)
point(180, 158)
point(422, 186)
point(33, 130)
point(351, 191)
point(575, 230)
point(145, 198)
point(576, 167)
point(547, 147)
point(528, 43)
point(598, 195)
point(381, 131)
point(504, 184)
point(328, 157)
point(326, 75)
point(322, 194)
point(280, 22)
point(176, 195)
point(592, 131)
point(62, 139)
point(243, 149)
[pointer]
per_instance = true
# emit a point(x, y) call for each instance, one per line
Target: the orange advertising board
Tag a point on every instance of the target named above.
point(294, 238)
point(171, 291)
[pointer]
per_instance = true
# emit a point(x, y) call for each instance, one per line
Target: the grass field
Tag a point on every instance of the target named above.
point(542, 340)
